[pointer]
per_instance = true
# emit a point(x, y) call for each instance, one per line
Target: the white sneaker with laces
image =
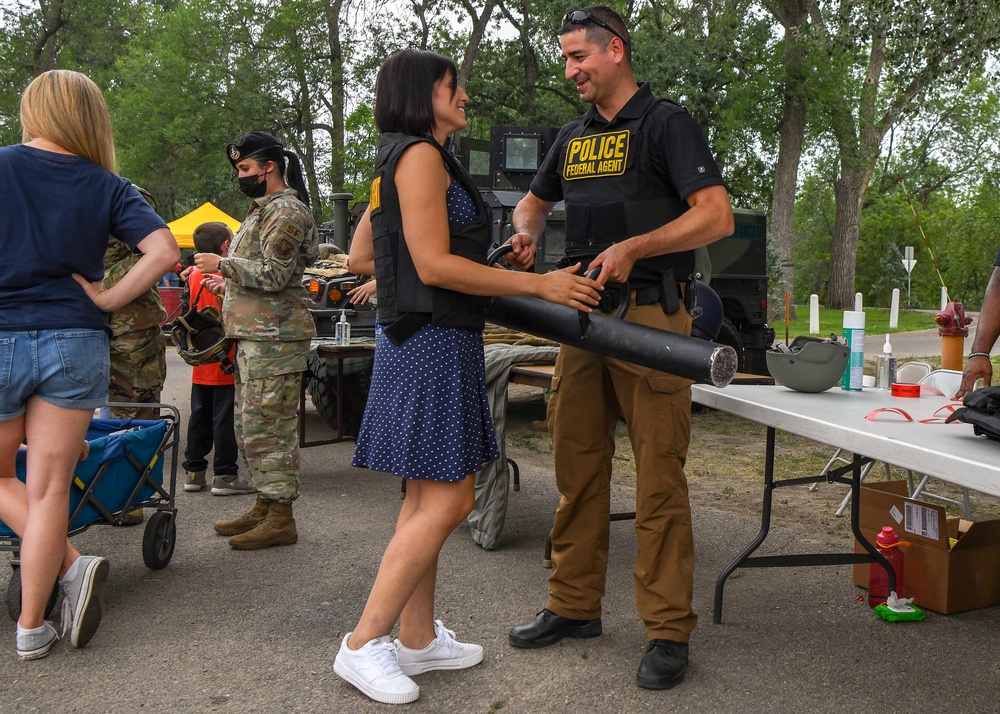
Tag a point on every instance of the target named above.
point(373, 669)
point(81, 608)
point(35, 646)
point(444, 652)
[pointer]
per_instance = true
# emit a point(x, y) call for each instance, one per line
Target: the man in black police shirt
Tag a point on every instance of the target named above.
point(642, 190)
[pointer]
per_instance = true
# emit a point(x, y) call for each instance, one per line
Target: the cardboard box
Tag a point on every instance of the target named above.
point(940, 577)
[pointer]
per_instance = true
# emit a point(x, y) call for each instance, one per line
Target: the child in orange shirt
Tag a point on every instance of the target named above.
point(212, 393)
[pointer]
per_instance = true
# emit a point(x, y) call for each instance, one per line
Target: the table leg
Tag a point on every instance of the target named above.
point(340, 411)
point(744, 559)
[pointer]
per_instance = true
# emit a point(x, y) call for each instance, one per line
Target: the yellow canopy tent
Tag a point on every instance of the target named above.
point(183, 227)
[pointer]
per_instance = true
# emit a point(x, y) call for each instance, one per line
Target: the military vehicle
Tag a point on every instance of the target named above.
point(503, 166)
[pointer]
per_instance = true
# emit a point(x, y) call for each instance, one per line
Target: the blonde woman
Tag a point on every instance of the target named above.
point(62, 198)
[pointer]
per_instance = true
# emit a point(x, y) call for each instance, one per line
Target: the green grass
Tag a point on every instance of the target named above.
point(876, 322)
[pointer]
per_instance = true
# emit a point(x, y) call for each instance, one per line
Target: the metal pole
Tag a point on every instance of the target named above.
point(340, 222)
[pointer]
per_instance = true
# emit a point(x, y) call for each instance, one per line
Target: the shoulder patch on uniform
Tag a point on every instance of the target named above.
point(292, 230)
point(596, 155)
point(284, 248)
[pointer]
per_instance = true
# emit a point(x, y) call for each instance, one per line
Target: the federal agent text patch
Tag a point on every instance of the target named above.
point(596, 155)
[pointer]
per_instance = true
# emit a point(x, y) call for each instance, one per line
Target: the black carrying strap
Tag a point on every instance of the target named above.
point(982, 410)
point(200, 337)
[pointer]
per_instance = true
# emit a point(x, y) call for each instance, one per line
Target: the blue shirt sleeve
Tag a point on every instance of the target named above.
point(132, 219)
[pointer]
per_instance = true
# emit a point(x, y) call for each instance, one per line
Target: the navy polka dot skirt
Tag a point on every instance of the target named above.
point(427, 415)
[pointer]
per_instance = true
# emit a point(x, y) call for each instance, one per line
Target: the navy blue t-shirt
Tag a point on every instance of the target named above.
point(56, 212)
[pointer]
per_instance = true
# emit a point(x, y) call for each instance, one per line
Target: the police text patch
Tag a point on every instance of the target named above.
point(596, 155)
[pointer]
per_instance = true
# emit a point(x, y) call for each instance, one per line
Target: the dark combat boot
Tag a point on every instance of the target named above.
point(248, 521)
point(278, 528)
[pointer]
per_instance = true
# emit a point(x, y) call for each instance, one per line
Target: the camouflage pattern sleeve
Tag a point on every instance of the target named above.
point(284, 225)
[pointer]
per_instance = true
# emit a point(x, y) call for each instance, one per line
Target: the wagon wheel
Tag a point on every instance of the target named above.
point(14, 596)
point(158, 540)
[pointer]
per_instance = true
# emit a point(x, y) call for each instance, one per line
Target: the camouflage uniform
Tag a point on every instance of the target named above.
point(138, 359)
point(264, 309)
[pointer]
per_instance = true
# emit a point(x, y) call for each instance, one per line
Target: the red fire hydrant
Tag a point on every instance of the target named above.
point(953, 328)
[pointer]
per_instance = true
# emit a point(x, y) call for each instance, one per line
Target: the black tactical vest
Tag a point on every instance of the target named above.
point(612, 192)
point(400, 291)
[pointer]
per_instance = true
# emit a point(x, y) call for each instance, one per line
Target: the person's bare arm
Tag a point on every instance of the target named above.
point(987, 331)
point(361, 294)
point(159, 255)
point(709, 218)
point(529, 218)
point(422, 182)
point(361, 260)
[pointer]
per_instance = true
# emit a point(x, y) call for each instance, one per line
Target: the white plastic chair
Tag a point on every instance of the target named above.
point(912, 372)
point(946, 380)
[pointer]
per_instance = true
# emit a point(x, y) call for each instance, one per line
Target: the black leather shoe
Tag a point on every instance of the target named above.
point(663, 665)
point(548, 628)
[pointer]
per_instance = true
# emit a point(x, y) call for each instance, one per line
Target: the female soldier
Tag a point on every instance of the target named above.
point(264, 310)
point(427, 420)
point(61, 194)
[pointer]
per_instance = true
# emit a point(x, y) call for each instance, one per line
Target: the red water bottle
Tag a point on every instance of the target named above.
point(888, 544)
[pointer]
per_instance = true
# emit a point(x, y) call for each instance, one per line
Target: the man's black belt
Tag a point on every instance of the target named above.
point(647, 296)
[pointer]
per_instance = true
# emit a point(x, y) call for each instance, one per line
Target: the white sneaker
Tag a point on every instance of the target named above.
point(32, 646)
point(81, 608)
point(444, 652)
point(373, 669)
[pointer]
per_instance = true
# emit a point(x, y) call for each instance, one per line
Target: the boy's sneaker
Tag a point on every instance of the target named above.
point(373, 669)
point(31, 646)
point(81, 608)
point(231, 486)
point(194, 480)
point(444, 652)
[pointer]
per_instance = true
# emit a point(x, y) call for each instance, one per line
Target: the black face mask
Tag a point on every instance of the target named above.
point(252, 186)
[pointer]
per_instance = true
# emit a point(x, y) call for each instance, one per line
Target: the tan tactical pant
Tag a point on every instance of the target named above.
point(589, 394)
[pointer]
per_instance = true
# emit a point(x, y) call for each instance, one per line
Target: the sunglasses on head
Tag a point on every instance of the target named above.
point(582, 17)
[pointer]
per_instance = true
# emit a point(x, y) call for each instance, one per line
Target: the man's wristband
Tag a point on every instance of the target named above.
point(979, 354)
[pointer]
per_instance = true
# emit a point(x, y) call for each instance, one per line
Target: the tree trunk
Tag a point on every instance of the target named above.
point(849, 191)
point(478, 28)
point(792, 15)
point(858, 153)
point(786, 173)
point(336, 96)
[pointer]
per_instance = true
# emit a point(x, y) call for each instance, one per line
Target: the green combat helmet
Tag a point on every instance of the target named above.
point(809, 364)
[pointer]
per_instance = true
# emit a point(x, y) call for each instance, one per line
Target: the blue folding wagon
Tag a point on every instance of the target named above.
point(124, 471)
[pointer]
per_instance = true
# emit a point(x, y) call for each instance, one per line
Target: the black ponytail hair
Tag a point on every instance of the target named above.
point(294, 176)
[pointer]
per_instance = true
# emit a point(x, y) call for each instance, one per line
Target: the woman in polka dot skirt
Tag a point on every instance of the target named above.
point(427, 419)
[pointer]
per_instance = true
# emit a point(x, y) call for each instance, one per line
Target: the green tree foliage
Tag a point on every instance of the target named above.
point(886, 89)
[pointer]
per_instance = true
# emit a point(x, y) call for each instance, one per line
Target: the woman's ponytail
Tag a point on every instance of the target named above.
point(293, 176)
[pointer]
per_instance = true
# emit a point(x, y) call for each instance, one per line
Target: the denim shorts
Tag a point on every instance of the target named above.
point(66, 367)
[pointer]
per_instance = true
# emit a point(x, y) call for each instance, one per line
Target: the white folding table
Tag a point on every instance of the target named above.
point(950, 452)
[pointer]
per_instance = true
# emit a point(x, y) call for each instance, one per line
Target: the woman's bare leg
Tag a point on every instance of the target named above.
point(406, 575)
point(54, 437)
point(13, 493)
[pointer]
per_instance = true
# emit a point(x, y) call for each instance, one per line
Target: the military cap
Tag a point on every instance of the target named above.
point(253, 144)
